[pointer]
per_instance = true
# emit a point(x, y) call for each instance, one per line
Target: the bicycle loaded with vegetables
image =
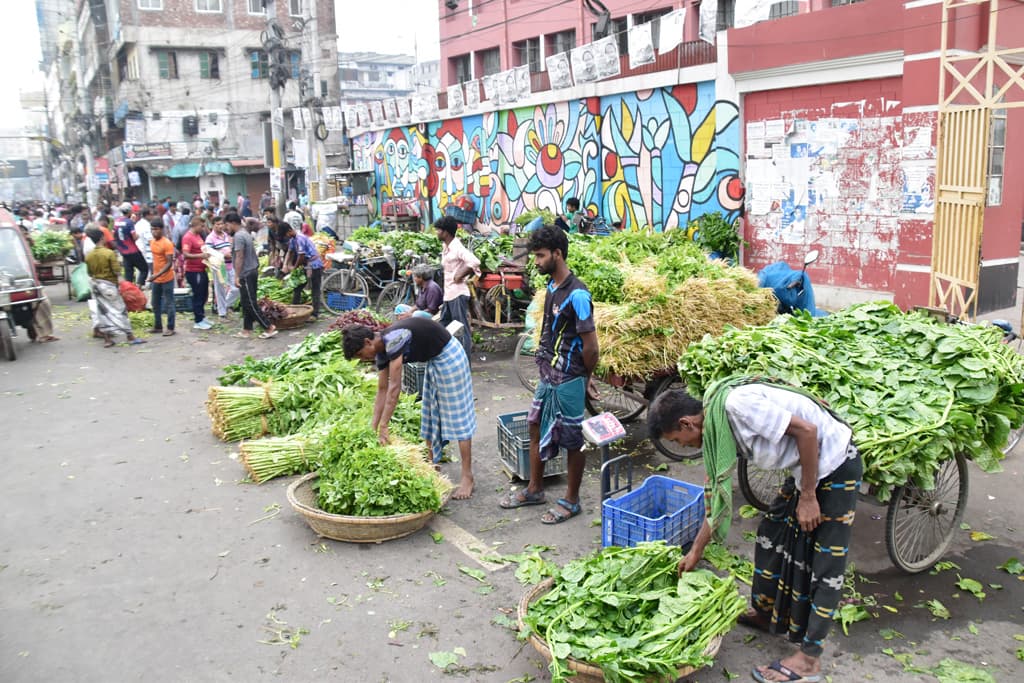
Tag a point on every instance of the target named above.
point(803, 540)
point(566, 358)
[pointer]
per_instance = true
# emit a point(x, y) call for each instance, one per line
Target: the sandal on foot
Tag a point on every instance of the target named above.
point(754, 621)
point(791, 676)
point(168, 333)
point(557, 515)
point(521, 499)
point(268, 335)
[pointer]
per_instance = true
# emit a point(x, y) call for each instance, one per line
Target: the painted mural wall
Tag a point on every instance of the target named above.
point(659, 157)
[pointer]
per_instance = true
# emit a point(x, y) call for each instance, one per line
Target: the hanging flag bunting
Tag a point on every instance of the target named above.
point(391, 110)
point(641, 46)
point(670, 34)
point(297, 121)
point(584, 64)
point(377, 112)
point(523, 85)
point(404, 111)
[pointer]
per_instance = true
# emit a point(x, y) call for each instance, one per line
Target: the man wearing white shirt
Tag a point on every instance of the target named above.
point(144, 234)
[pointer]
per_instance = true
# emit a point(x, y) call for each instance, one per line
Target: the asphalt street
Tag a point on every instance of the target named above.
point(134, 549)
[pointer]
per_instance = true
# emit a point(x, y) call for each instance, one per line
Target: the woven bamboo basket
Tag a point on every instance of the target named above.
point(585, 673)
point(297, 317)
point(351, 529)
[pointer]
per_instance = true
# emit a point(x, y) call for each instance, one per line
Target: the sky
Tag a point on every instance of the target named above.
point(387, 26)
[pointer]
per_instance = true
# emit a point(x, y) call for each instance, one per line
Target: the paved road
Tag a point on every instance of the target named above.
point(132, 549)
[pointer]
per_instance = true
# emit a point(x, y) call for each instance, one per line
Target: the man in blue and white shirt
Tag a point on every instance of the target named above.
point(302, 253)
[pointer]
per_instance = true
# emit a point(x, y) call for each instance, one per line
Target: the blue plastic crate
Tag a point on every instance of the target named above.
point(514, 448)
point(661, 509)
point(465, 216)
point(345, 302)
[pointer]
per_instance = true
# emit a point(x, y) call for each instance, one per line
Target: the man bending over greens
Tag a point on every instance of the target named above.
point(448, 413)
point(566, 357)
point(803, 540)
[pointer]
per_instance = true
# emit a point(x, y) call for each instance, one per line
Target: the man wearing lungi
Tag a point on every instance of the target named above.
point(803, 540)
point(447, 399)
point(566, 357)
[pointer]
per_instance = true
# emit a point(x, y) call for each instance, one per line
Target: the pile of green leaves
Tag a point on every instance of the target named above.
point(491, 252)
point(279, 290)
point(315, 351)
point(916, 391)
point(419, 243)
point(625, 610)
point(719, 236)
point(527, 216)
point(50, 245)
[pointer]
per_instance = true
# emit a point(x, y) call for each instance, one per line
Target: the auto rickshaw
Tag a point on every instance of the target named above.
point(20, 289)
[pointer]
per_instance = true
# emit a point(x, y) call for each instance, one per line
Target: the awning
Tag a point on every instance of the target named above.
point(243, 163)
point(194, 170)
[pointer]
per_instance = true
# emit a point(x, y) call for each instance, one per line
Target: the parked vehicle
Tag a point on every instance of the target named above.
point(20, 288)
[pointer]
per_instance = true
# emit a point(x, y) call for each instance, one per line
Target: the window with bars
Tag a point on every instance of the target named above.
point(562, 41)
point(726, 14)
point(256, 7)
point(295, 8)
point(786, 8)
point(151, 4)
point(617, 28)
point(259, 64)
point(652, 18)
point(460, 69)
point(209, 6)
point(490, 61)
point(996, 156)
point(209, 65)
point(167, 64)
point(528, 53)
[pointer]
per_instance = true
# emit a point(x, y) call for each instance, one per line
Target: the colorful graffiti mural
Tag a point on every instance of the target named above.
point(658, 158)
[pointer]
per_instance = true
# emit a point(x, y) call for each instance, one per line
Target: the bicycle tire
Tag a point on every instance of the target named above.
point(524, 361)
point(347, 284)
point(391, 296)
point(759, 487)
point(920, 524)
point(623, 402)
point(496, 306)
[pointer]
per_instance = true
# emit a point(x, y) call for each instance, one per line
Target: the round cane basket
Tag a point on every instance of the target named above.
point(297, 317)
point(585, 673)
point(351, 529)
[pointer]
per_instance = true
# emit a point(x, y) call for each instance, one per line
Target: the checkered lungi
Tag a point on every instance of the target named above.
point(448, 410)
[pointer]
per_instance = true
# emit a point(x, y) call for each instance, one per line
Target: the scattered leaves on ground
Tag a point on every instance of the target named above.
point(937, 609)
point(981, 536)
point(971, 586)
point(1012, 566)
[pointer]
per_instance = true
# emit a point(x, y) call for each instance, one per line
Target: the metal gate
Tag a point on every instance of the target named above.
point(959, 209)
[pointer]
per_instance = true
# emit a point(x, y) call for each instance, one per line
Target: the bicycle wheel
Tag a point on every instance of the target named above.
point(920, 524)
point(392, 295)
point(626, 402)
point(496, 306)
point(343, 291)
point(670, 449)
point(759, 487)
point(525, 361)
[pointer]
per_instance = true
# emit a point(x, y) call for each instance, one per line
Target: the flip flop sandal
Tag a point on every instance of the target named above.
point(791, 676)
point(558, 515)
point(513, 500)
point(268, 335)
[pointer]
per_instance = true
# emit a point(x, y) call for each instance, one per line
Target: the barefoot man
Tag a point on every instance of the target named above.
point(447, 399)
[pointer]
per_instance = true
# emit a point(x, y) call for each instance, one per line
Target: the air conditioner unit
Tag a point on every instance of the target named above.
point(190, 125)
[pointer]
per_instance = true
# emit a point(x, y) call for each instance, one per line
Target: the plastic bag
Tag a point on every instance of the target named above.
point(134, 299)
point(80, 283)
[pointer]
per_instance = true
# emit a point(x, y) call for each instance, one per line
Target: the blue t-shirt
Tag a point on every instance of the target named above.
point(123, 229)
point(300, 244)
point(568, 313)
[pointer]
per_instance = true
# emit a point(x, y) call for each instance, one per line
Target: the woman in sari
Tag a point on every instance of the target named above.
point(111, 313)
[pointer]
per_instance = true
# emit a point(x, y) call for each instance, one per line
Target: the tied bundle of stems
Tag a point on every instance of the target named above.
point(279, 456)
point(240, 412)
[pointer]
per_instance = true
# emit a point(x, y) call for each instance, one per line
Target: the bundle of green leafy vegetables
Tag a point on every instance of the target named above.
point(626, 611)
point(279, 290)
point(419, 243)
point(492, 251)
point(915, 391)
point(315, 351)
point(51, 245)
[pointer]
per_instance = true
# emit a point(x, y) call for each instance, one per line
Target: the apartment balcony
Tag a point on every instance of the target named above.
point(129, 96)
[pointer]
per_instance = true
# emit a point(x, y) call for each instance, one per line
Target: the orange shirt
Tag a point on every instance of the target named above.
point(163, 253)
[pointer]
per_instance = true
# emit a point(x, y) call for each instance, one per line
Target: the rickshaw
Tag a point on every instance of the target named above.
point(20, 289)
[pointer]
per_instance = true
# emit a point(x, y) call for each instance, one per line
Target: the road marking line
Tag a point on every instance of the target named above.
point(471, 546)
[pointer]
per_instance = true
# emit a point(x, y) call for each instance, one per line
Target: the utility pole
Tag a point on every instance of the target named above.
point(316, 158)
point(272, 46)
point(85, 125)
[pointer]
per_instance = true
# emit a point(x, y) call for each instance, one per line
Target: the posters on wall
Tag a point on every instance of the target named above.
point(135, 131)
point(508, 91)
point(641, 46)
point(333, 118)
point(523, 85)
point(300, 152)
point(472, 94)
point(490, 89)
point(608, 63)
point(584, 64)
point(377, 112)
point(708, 22)
point(277, 117)
point(404, 111)
point(670, 34)
point(456, 102)
point(351, 119)
point(424, 107)
point(364, 115)
point(391, 110)
point(558, 70)
point(748, 12)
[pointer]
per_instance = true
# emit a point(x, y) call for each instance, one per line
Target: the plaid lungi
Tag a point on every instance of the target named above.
point(447, 402)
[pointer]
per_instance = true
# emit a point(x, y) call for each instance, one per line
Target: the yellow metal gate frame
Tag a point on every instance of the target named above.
point(961, 172)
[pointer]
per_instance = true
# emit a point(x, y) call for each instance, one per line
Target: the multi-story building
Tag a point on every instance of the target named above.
point(804, 120)
point(174, 94)
point(370, 76)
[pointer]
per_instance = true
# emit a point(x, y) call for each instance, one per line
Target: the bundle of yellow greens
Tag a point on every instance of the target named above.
point(654, 294)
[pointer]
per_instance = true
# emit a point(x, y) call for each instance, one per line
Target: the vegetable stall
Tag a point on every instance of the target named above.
point(922, 397)
point(285, 411)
